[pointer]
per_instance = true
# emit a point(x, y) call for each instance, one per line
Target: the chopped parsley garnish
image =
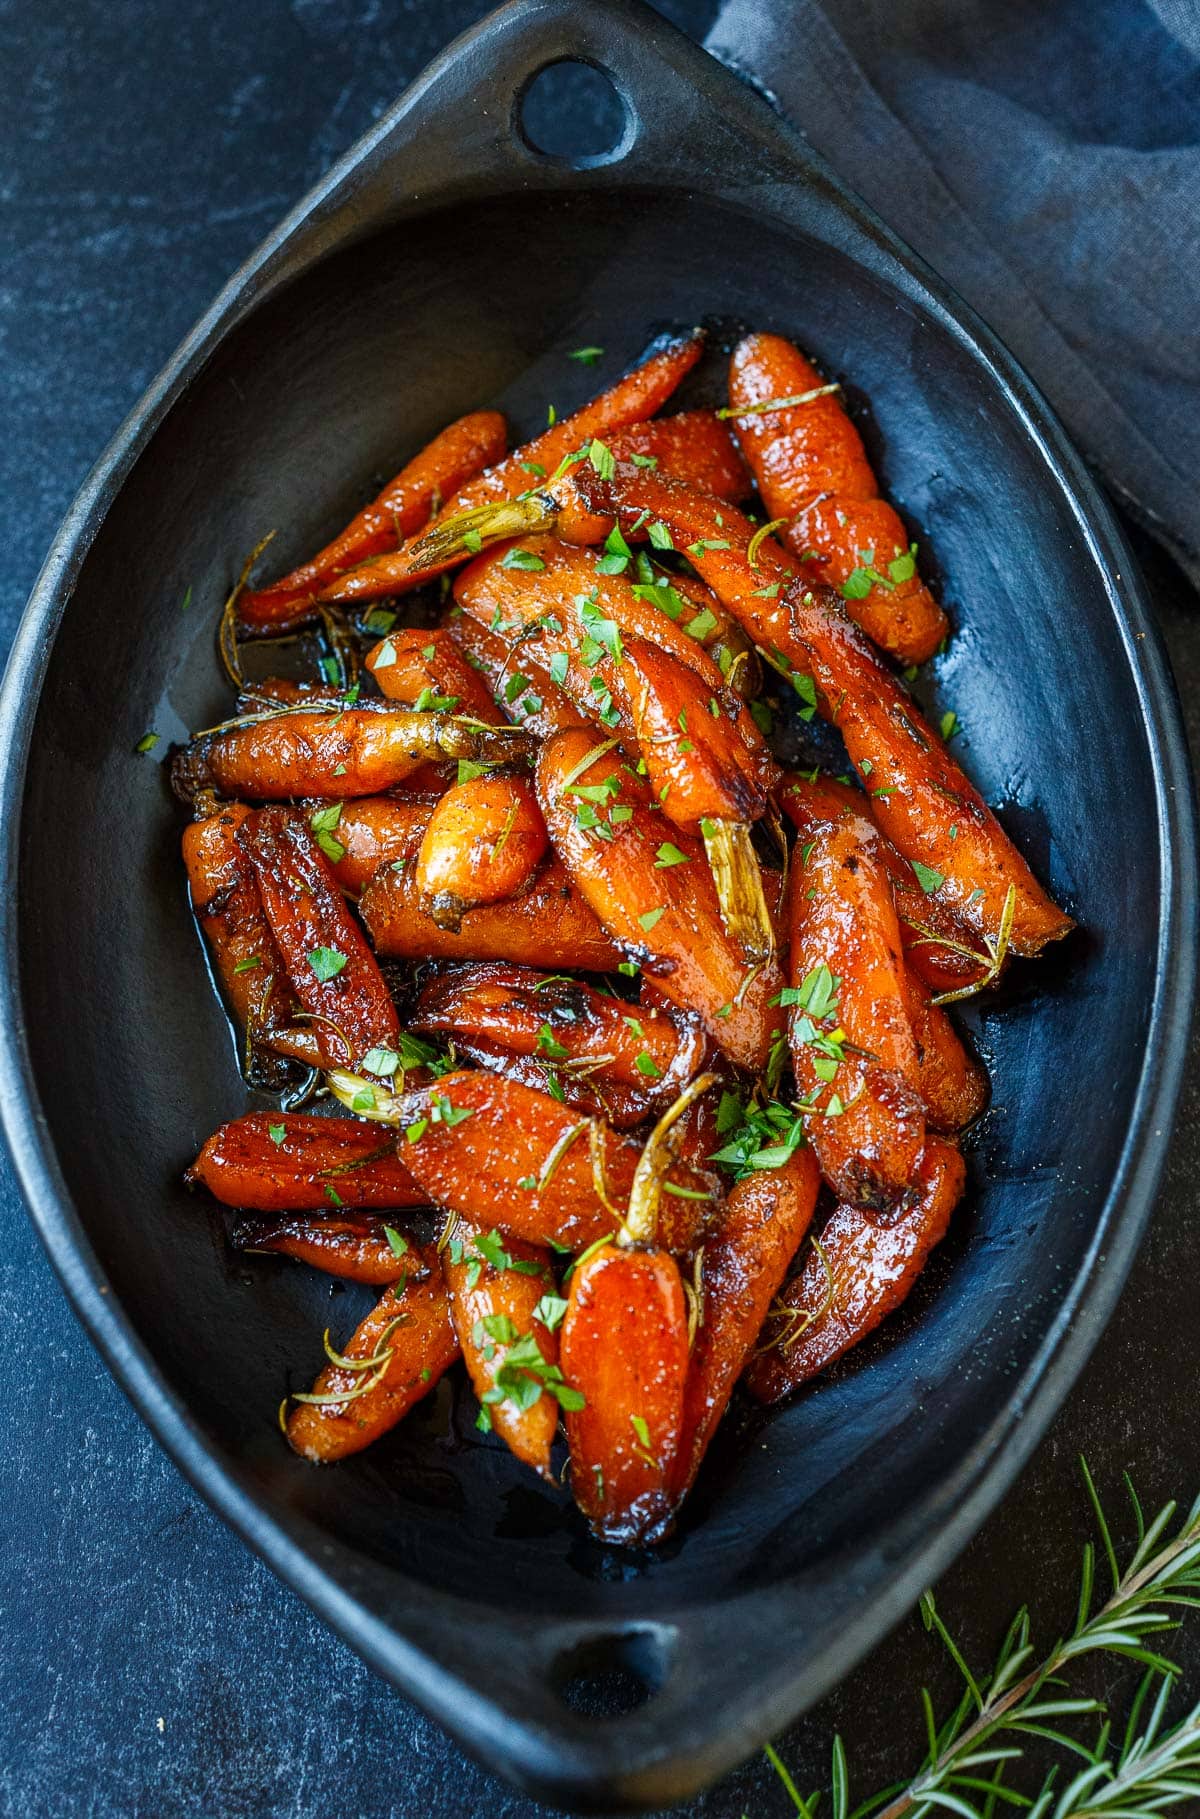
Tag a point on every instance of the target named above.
point(652, 918)
point(601, 458)
point(927, 878)
point(277, 1133)
point(249, 964)
point(762, 1136)
point(949, 724)
point(586, 356)
point(323, 821)
point(522, 559)
point(548, 1044)
point(326, 963)
point(668, 854)
point(147, 742)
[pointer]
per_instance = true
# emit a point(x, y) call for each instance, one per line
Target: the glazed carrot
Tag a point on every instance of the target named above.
point(851, 1041)
point(357, 1249)
point(952, 1083)
point(564, 1021)
point(625, 1352)
point(229, 910)
point(549, 925)
point(588, 1093)
point(705, 757)
point(355, 751)
point(408, 1342)
point(936, 946)
point(496, 1289)
point(426, 669)
point(919, 795)
point(862, 1272)
point(292, 1162)
point(742, 1266)
point(371, 832)
point(421, 487)
point(332, 970)
point(653, 894)
point(524, 692)
point(504, 1154)
point(811, 469)
point(637, 396)
point(483, 844)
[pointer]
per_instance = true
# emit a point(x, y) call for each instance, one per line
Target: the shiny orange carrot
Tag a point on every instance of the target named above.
point(395, 1357)
point(229, 910)
point(851, 1042)
point(362, 836)
point(483, 843)
point(332, 970)
point(860, 1273)
point(637, 396)
point(742, 1267)
point(651, 888)
point(293, 1162)
point(525, 692)
point(456, 455)
point(549, 925)
point(506, 1311)
point(919, 794)
point(624, 1349)
point(427, 670)
point(358, 1248)
point(338, 752)
point(811, 469)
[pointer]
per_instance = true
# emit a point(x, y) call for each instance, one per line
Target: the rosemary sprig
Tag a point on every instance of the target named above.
point(972, 1750)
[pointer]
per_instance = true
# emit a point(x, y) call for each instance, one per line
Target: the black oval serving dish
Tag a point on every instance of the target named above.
point(442, 265)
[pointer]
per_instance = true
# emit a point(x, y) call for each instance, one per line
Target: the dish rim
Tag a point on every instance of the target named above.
point(975, 1484)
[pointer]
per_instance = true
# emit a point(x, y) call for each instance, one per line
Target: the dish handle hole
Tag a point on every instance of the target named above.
point(610, 1676)
point(575, 113)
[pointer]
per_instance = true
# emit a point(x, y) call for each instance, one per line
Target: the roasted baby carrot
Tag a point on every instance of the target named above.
point(549, 925)
point(919, 795)
point(426, 669)
point(625, 1354)
point(637, 396)
point(812, 471)
point(356, 1248)
point(851, 1042)
point(483, 844)
point(525, 692)
point(395, 1357)
point(405, 505)
point(742, 1265)
point(951, 1082)
point(338, 752)
point(363, 835)
point(860, 1273)
point(332, 970)
point(654, 894)
point(293, 1162)
point(502, 1302)
point(229, 910)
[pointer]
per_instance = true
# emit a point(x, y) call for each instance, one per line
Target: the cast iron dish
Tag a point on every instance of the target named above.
point(443, 263)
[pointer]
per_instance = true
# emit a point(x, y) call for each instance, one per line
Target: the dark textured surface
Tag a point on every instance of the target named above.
point(150, 159)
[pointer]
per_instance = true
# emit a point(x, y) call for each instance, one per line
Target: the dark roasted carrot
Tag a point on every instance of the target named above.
point(621, 1106)
point(426, 669)
point(421, 487)
point(919, 794)
point(851, 1041)
point(229, 910)
point(654, 894)
point(637, 396)
point(549, 925)
point(812, 470)
point(743, 1263)
point(952, 1083)
point(332, 970)
point(705, 757)
point(862, 1271)
point(483, 844)
point(355, 751)
point(355, 1248)
point(408, 1341)
point(495, 1291)
point(292, 1162)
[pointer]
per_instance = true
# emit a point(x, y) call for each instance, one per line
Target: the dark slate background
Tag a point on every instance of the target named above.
point(149, 1666)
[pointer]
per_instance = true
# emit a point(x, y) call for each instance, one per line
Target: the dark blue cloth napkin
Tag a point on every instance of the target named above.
point(1044, 157)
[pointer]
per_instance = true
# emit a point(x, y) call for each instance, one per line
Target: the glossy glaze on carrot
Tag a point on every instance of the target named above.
point(862, 1272)
point(411, 1334)
point(426, 668)
point(333, 972)
point(812, 470)
point(296, 1162)
point(484, 841)
point(355, 1248)
point(635, 397)
point(456, 454)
